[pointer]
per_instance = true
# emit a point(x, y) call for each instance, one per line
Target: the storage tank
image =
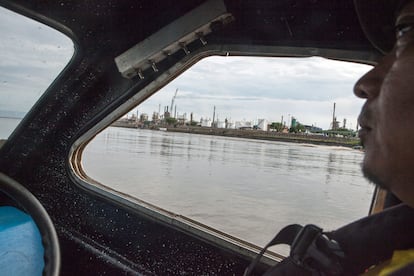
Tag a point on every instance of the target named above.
point(206, 122)
point(262, 124)
point(221, 124)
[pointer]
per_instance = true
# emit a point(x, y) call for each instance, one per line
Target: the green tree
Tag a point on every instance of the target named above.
point(193, 123)
point(297, 128)
point(277, 126)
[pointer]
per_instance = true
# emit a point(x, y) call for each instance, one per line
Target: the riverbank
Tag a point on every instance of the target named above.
point(260, 135)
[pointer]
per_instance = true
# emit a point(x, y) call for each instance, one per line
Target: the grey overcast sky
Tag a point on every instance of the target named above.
point(241, 88)
point(251, 88)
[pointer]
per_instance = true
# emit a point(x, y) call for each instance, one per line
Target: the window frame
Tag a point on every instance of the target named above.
point(156, 213)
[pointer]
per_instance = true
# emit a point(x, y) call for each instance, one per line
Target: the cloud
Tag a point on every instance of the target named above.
point(251, 88)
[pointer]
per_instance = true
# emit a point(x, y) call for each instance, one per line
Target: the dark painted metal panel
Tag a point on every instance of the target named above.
point(101, 236)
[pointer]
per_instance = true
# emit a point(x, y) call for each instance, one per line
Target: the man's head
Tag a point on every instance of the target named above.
point(387, 117)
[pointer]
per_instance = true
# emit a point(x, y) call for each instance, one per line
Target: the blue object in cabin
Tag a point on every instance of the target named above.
point(21, 249)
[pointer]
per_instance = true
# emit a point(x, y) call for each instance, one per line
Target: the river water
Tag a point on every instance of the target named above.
point(246, 188)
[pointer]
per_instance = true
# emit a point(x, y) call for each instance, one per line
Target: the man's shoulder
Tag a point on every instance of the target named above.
point(401, 263)
point(374, 239)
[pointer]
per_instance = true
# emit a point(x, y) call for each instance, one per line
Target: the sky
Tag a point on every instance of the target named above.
point(251, 88)
point(241, 88)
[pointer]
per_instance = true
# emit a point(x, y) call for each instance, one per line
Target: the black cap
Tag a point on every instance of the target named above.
point(377, 19)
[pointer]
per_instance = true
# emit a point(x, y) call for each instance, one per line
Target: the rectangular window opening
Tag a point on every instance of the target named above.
point(32, 55)
point(245, 145)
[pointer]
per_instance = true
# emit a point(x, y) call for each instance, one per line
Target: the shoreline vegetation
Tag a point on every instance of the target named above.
point(258, 135)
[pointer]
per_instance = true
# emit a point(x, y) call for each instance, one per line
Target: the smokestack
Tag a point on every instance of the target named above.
point(214, 115)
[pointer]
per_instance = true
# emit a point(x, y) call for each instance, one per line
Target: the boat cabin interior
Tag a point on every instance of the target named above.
point(124, 52)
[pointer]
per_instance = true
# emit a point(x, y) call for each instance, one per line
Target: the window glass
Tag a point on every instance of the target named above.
point(246, 145)
point(31, 56)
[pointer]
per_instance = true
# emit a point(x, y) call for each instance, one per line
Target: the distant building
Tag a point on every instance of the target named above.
point(132, 118)
point(220, 124)
point(143, 117)
point(262, 124)
point(293, 122)
point(230, 125)
point(206, 122)
point(334, 124)
point(312, 129)
point(181, 119)
point(244, 125)
point(155, 116)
